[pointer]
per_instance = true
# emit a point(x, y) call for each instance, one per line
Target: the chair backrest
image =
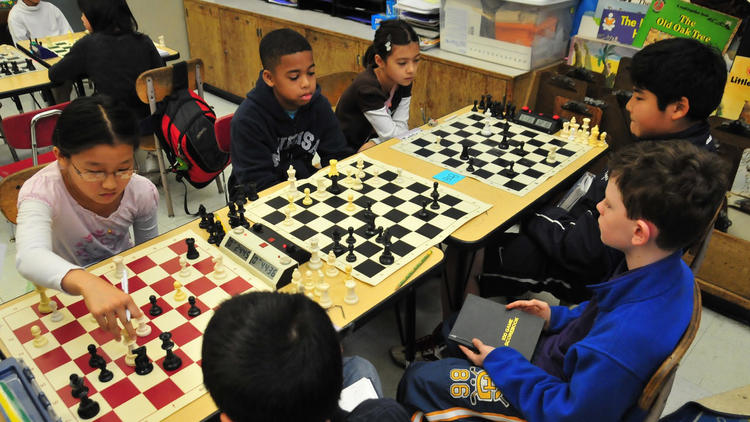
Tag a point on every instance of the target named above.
point(33, 129)
point(697, 251)
point(9, 188)
point(334, 84)
point(161, 81)
point(222, 127)
point(654, 395)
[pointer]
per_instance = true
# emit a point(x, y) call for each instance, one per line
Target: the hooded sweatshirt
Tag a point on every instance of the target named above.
point(266, 140)
point(43, 20)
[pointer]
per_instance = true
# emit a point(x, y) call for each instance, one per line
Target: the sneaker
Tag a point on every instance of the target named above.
point(427, 348)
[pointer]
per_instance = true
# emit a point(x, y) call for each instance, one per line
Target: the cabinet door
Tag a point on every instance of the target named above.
point(451, 88)
point(267, 25)
point(332, 53)
point(204, 38)
point(419, 107)
point(497, 87)
point(240, 43)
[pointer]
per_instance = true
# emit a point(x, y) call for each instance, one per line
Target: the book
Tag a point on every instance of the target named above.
point(496, 326)
point(619, 26)
point(735, 103)
point(676, 18)
point(599, 56)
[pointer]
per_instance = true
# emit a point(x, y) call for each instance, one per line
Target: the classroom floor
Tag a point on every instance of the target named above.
point(716, 362)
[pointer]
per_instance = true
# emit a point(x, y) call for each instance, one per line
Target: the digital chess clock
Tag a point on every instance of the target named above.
point(539, 121)
point(264, 253)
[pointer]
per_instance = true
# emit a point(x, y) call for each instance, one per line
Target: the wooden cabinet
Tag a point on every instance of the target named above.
point(205, 40)
point(242, 62)
point(333, 53)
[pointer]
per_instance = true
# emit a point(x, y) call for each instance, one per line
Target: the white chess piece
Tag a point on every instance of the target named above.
point(585, 126)
point(348, 180)
point(325, 298)
point(486, 129)
point(219, 271)
point(291, 207)
point(287, 219)
point(399, 179)
point(297, 280)
point(594, 137)
point(321, 280)
point(56, 316)
point(315, 261)
point(357, 183)
point(309, 284)
point(143, 328)
point(351, 295)
point(360, 167)
point(602, 139)
point(320, 192)
point(436, 141)
point(184, 269)
point(39, 339)
point(120, 270)
point(179, 294)
point(292, 189)
point(331, 270)
point(375, 174)
point(350, 206)
point(552, 155)
point(565, 130)
point(307, 200)
point(130, 356)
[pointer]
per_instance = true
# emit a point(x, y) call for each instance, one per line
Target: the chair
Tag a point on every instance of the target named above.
point(655, 394)
point(334, 84)
point(222, 129)
point(152, 86)
point(9, 188)
point(697, 251)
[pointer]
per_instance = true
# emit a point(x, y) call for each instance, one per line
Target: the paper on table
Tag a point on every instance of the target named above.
point(356, 393)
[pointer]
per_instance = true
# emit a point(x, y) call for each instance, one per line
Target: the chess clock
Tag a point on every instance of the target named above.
point(264, 253)
point(540, 121)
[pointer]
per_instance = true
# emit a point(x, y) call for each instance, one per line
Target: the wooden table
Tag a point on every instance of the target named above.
point(23, 83)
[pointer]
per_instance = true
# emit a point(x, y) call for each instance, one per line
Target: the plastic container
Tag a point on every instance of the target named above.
point(20, 397)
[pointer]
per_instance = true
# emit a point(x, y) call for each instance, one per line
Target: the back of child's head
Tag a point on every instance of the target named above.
point(673, 184)
point(280, 43)
point(111, 16)
point(391, 32)
point(97, 120)
point(681, 67)
point(272, 357)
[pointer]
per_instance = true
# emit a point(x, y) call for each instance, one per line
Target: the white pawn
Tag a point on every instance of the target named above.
point(399, 172)
point(309, 284)
point(486, 129)
point(287, 219)
point(315, 261)
point(348, 179)
point(184, 270)
point(321, 280)
point(297, 280)
point(39, 339)
point(565, 130)
point(179, 295)
point(357, 184)
point(218, 261)
point(602, 139)
point(56, 316)
point(143, 328)
point(594, 136)
point(360, 167)
point(552, 155)
point(375, 174)
point(325, 299)
point(320, 192)
point(307, 200)
point(331, 270)
point(120, 270)
point(351, 296)
point(350, 206)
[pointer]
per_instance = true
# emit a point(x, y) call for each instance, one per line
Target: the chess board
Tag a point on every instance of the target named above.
point(61, 47)
point(490, 162)
point(395, 201)
point(10, 56)
point(128, 396)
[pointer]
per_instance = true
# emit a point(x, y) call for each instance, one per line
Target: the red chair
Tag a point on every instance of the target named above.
point(31, 130)
point(222, 129)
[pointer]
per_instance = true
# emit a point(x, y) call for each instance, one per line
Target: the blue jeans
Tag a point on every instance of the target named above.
point(356, 367)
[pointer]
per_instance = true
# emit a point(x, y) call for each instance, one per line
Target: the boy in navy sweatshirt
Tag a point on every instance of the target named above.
point(593, 361)
point(284, 120)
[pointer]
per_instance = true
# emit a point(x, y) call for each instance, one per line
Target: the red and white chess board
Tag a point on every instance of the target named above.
point(128, 397)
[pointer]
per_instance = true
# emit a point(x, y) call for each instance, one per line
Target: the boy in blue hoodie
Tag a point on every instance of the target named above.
point(284, 120)
point(593, 361)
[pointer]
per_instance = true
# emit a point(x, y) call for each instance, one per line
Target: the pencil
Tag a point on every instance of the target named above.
point(413, 270)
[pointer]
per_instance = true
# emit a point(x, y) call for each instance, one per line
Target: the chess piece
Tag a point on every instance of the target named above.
point(486, 129)
point(350, 257)
point(335, 188)
point(192, 252)
point(602, 140)
point(194, 310)
point(44, 306)
point(297, 280)
point(331, 270)
point(321, 280)
point(337, 248)
point(379, 238)
point(348, 271)
point(77, 386)
point(350, 206)
point(509, 171)
point(399, 173)
point(464, 152)
point(287, 218)
point(130, 356)
point(470, 167)
point(348, 180)
point(594, 135)
point(351, 296)
point(143, 365)
point(94, 360)
point(307, 201)
point(291, 207)
point(155, 309)
point(585, 126)
point(88, 408)
point(56, 316)
point(350, 240)
point(565, 133)
point(360, 167)
point(39, 339)
point(386, 258)
point(315, 261)
point(375, 174)
point(332, 169)
point(325, 299)
point(504, 144)
point(184, 270)
point(475, 106)
point(120, 270)
point(357, 183)
point(423, 213)
point(482, 105)
point(179, 294)
point(309, 284)
point(204, 217)
point(105, 375)
point(370, 227)
point(171, 361)
point(219, 271)
point(435, 196)
point(552, 155)
point(320, 192)
point(143, 328)
point(292, 189)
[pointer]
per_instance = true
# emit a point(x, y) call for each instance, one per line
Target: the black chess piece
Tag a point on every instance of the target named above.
point(423, 214)
point(386, 258)
point(251, 191)
point(194, 311)
point(350, 257)
point(241, 215)
point(335, 188)
point(350, 240)
point(387, 236)
point(192, 252)
point(204, 217)
point(30, 65)
point(88, 408)
point(368, 209)
point(379, 239)
point(504, 144)
point(481, 104)
point(232, 215)
point(510, 169)
point(470, 168)
point(95, 360)
point(338, 248)
point(105, 375)
point(475, 106)
point(171, 361)
point(370, 227)
point(77, 386)
point(155, 309)
point(143, 364)
point(14, 67)
point(435, 196)
point(464, 152)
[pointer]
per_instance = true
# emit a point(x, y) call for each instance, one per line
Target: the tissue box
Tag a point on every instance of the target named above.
point(524, 34)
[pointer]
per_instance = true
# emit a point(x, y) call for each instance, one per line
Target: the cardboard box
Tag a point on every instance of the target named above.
point(524, 34)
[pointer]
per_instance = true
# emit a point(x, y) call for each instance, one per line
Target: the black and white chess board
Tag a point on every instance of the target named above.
point(527, 150)
point(61, 47)
point(397, 202)
point(13, 62)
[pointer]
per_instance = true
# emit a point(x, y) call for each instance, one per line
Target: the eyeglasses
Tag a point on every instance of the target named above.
point(100, 176)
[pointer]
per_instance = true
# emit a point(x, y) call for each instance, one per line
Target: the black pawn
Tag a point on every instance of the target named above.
point(423, 212)
point(143, 364)
point(241, 216)
point(204, 217)
point(155, 309)
point(504, 143)
point(251, 191)
point(379, 239)
point(77, 386)
point(464, 152)
point(386, 258)
point(475, 106)
point(171, 361)
point(88, 408)
point(30, 65)
point(338, 248)
point(350, 240)
point(510, 171)
point(192, 252)
point(470, 168)
point(95, 360)
point(481, 104)
point(105, 375)
point(350, 257)
point(194, 311)
point(335, 188)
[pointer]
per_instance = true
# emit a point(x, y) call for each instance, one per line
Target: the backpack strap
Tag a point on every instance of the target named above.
point(179, 76)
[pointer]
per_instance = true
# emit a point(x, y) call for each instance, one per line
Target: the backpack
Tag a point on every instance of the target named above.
point(184, 124)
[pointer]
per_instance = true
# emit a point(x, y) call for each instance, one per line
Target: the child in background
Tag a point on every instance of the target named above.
point(112, 55)
point(79, 209)
point(284, 120)
point(30, 19)
point(375, 107)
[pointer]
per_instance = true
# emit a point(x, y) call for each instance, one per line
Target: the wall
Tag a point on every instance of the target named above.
point(69, 8)
point(162, 17)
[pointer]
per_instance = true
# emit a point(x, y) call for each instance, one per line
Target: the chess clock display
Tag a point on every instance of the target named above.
point(263, 253)
point(540, 122)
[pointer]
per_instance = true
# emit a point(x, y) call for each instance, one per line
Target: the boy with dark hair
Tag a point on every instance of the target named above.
point(276, 357)
point(284, 120)
point(593, 361)
point(677, 84)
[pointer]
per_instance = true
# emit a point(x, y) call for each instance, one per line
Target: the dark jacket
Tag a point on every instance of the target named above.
point(113, 62)
point(265, 140)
